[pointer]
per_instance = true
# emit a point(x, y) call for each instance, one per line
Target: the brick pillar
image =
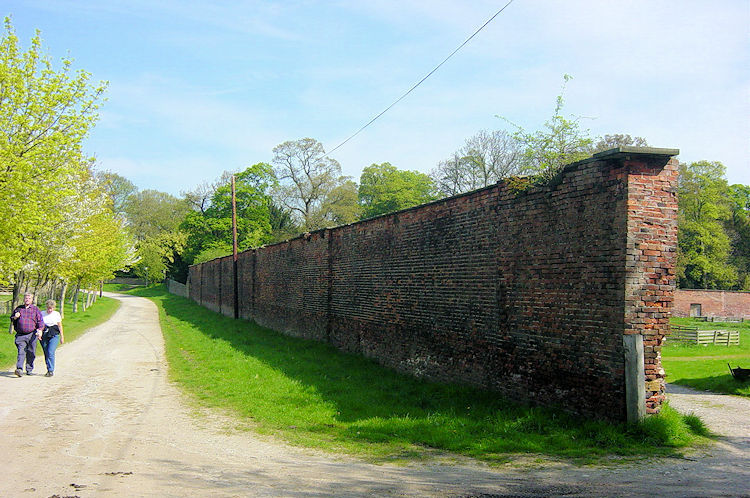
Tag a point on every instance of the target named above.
point(651, 250)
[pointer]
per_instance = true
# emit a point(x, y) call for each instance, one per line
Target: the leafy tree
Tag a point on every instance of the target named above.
point(156, 253)
point(283, 225)
point(561, 142)
point(384, 188)
point(306, 178)
point(45, 114)
point(340, 206)
point(118, 189)
point(704, 246)
point(212, 228)
point(98, 251)
point(738, 229)
point(483, 160)
point(151, 213)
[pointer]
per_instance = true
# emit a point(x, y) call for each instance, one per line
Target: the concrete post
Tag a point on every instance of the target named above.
point(635, 377)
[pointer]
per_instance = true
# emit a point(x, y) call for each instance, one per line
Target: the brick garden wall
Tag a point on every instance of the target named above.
point(714, 303)
point(525, 293)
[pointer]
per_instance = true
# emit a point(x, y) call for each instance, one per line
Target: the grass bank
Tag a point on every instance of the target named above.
point(74, 324)
point(705, 367)
point(312, 395)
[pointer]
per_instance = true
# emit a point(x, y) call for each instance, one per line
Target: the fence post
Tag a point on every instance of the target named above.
point(635, 377)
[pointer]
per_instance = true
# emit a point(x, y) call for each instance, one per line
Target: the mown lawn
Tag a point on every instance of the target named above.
point(312, 395)
point(705, 367)
point(74, 324)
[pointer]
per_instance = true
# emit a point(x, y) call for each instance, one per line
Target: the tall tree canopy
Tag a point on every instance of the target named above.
point(306, 179)
point(383, 188)
point(703, 243)
point(45, 114)
point(484, 159)
point(210, 231)
point(560, 142)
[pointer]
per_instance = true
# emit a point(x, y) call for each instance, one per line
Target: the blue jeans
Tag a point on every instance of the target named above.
point(49, 346)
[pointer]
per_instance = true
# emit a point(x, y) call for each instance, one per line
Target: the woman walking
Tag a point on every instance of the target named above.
point(52, 336)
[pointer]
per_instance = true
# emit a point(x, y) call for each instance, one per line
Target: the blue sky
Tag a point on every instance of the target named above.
point(200, 87)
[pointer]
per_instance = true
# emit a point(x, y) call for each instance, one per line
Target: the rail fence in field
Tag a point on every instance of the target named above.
point(691, 335)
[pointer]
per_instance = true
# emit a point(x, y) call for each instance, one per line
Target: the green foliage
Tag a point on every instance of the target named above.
point(738, 229)
point(117, 188)
point(151, 213)
point(45, 114)
point(703, 260)
point(211, 229)
point(218, 251)
point(307, 182)
point(383, 188)
point(560, 142)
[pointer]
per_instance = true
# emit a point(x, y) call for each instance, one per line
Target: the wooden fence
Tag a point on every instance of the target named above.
point(691, 335)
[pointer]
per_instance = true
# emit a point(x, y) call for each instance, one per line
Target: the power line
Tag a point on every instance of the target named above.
point(423, 79)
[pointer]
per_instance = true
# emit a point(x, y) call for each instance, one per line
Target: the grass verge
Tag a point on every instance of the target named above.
point(705, 367)
point(313, 395)
point(74, 324)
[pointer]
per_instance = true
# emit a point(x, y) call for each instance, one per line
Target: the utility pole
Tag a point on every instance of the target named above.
point(234, 252)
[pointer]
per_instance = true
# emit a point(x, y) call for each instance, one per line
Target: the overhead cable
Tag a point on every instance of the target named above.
point(423, 79)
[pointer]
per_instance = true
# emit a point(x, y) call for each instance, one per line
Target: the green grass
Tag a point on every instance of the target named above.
point(312, 395)
point(119, 287)
point(705, 367)
point(74, 325)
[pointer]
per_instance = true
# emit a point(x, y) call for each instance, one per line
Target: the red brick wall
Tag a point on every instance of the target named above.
point(291, 286)
point(650, 263)
point(714, 303)
point(525, 293)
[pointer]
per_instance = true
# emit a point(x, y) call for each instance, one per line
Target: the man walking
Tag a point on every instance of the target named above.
point(29, 325)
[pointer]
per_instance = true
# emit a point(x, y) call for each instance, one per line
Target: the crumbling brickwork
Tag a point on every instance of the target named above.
point(527, 292)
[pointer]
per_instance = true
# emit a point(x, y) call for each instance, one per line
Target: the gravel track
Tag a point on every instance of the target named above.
point(110, 424)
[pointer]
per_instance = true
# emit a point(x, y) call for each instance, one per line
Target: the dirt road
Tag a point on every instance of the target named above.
point(110, 424)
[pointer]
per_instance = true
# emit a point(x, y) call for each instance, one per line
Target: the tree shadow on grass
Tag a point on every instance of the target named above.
point(378, 404)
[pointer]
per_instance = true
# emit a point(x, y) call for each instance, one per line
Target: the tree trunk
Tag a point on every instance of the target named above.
point(37, 287)
point(14, 298)
point(62, 297)
point(16, 289)
point(101, 287)
point(75, 296)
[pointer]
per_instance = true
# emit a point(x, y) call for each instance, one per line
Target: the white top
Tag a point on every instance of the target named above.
point(52, 318)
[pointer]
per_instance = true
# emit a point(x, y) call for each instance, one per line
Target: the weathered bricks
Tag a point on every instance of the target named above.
point(527, 294)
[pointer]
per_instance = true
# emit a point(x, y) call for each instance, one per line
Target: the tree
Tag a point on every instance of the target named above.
point(283, 225)
point(383, 188)
point(484, 159)
point(738, 229)
point(561, 142)
point(211, 229)
point(45, 114)
point(306, 178)
point(118, 189)
point(704, 246)
point(339, 207)
point(150, 213)
point(608, 142)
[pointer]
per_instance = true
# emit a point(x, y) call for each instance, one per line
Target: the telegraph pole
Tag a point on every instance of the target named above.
point(234, 252)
